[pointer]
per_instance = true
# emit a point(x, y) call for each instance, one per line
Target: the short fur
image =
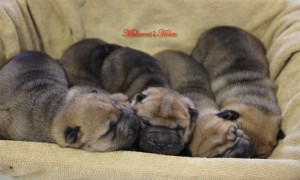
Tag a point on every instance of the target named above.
point(238, 68)
point(76, 65)
point(213, 136)
point(137, 74)
point(36, 105)
point(167, 120)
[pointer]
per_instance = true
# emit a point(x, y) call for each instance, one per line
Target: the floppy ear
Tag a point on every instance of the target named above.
point(193, 114)
point(97, 55)
point(228, 115)
point(139, 97)
point(71, 134)
point(280, 134)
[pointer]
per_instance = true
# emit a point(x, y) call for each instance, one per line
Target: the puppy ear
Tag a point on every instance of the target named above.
point(228, 115)
point(139, 97)
point(97, 55)
point(193, 114)
point(95, 91)
point(71, 134)
point(280, 134)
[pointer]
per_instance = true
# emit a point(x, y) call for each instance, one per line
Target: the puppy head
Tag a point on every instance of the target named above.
point(263, 128)
point(95, 122)
point(166, 120)
point(216, 137)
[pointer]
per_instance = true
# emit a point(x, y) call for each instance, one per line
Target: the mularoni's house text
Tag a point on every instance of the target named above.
point(155, 33)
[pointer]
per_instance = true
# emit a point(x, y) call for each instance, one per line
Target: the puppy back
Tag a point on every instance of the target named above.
point(75, 62)
point(236, 63)
point(33, 89)
point(187, 76)
point(131, 71)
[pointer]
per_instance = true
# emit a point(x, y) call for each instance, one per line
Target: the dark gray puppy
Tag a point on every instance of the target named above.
point(111, 67)
point(236, 63)
point(79, 70)
point(166, 116)
point(36, 105)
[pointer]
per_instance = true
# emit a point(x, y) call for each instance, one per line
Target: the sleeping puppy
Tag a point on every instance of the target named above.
point(238, 68)
point(166, 117)
point(167, 120)
point(78, 70)
point(213, 136)
point(36, 105)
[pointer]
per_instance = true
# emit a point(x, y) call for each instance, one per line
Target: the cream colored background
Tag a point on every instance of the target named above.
point(52, 25)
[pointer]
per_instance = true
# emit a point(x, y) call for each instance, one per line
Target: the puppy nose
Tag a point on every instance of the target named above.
point(160, 145)
point(163, 140)
point(243, 149)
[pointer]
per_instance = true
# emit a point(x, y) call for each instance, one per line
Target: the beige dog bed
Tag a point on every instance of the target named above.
point(52, 25)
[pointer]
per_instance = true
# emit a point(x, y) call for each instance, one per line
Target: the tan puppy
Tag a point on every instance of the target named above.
point(238, 68)
point(167, 120)
point(213, 136)
point(166, 116)
point(36, 105)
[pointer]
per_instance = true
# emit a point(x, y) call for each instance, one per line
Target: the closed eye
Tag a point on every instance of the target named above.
point(145, 122)
point(111, 129)
point(179, 128)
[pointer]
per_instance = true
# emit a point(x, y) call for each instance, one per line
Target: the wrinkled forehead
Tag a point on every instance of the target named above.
point(171, 117)
point(170, 110)
point(163, 92)
point(92, 103)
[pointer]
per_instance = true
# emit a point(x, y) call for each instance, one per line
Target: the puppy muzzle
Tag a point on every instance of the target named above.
point(242, 148)
point(160, 140)
point(128, 128)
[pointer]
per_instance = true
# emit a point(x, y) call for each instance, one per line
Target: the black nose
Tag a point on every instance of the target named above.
point(159, 144)
point(160, 140)
point(243, 149)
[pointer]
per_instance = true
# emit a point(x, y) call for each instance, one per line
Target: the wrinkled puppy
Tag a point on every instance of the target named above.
point(167, 120)
point(166, 116)
point(79, 65)
point(93, 62)
point(129, 71)
point(36, 105)
point(238, 69)
point(213, 136)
